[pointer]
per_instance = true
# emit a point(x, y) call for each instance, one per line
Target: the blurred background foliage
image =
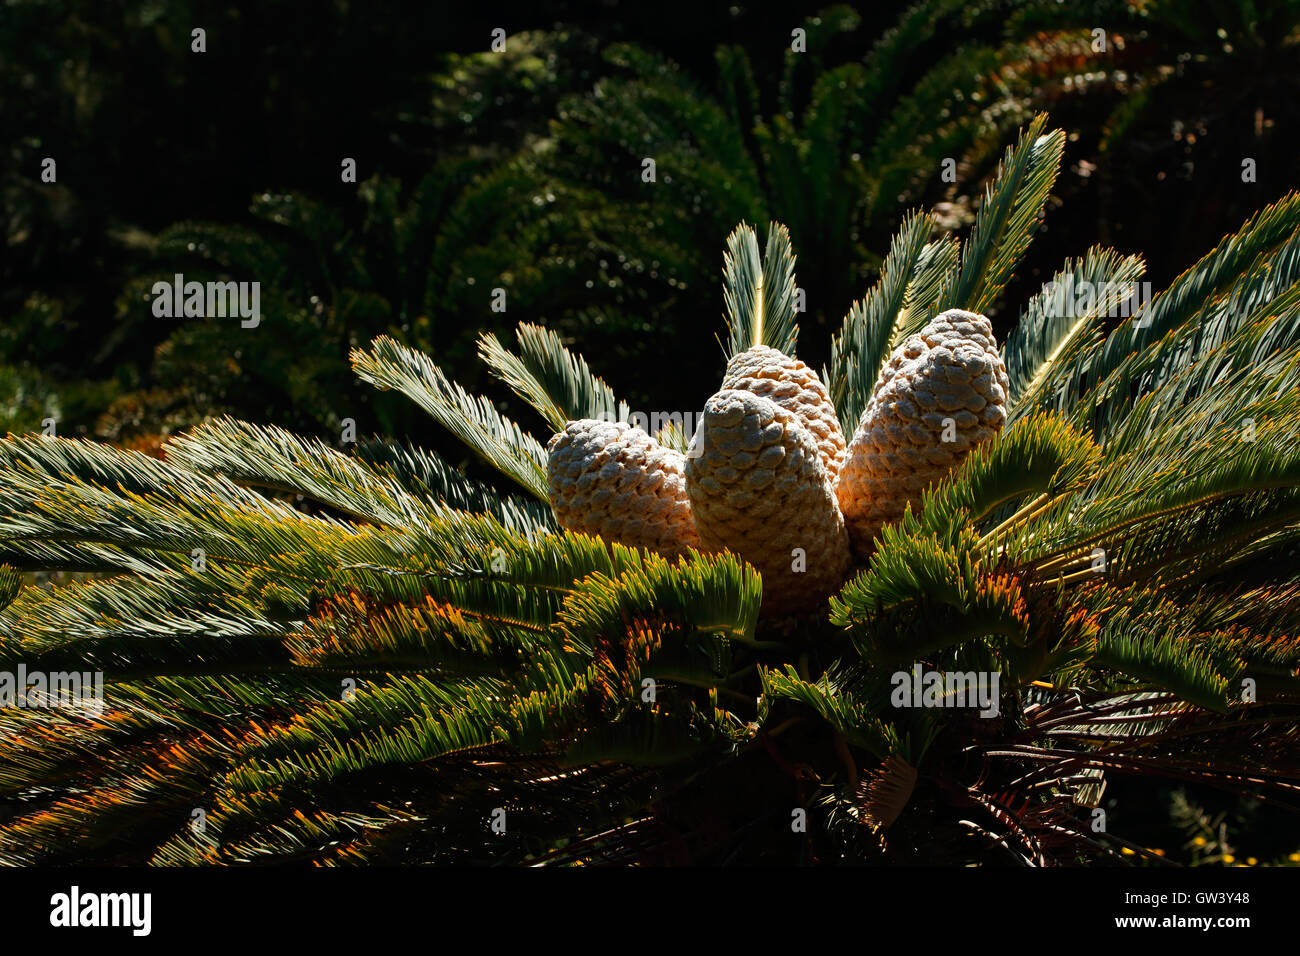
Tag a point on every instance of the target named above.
point(522, 171)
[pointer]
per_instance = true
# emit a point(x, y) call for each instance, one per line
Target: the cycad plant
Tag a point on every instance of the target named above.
point(1153, 88)
point(427, 669)
point(829, 147)
point(327, 285)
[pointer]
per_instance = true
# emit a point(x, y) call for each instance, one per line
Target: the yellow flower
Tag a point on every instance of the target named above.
point(1228, 858)
point(1199, 841)
point(1251, 861)
point(1126, 851)
point(1294, 857)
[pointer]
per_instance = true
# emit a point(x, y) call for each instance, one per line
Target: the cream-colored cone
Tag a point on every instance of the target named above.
point(943, 391)
point(615, 481)
point(758, 488)
point(771, 374)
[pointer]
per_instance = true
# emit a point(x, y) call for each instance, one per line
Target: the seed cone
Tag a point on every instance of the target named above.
point(771, 374)
point(758, 488)
point(615, 481)
point(947, 376)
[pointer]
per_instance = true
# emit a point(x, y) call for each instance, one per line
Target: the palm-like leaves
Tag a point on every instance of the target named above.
point(384, 678)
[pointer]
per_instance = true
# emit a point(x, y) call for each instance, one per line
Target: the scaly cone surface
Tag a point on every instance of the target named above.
point(942, 392)
point(758, 488)
point(771, 374)
point(615, 481)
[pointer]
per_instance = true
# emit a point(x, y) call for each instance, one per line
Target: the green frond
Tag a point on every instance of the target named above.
point(422, 721)
point(475, 569)
point(932, 122)
point(319, 837)
point(646, 737)
point(1154, 642)
point(427, 476)
point(106, 820)
point(130, 627)
point(137, 718)
point(35, 555)
point(856, 721)
point(833, 103)
point(740, 94)
point(888, 57)
point(759, 291)
point(1217, 270)
point(1007, 218)
point(1245, 260)
point(70, 490)
point(715, 593)
point(1184, 465)
point(869, 330)
point(136, 772)
point(935, 271)
point(228, 248)
point(1249, 386)
point(556, 382)
point(485, 431)
point(1056, 325)
point(1171, 375)
point(923, 595)
point(272, 458)
point(11, 580)
point(1187, 546)
point(1042, 456)
point(359, 635)
point(673, 435)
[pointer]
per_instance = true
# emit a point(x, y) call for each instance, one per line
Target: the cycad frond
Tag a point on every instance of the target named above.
point(34, 555)
point(375, 679)
point(11, 582)
point(1055, 326)
point(557, 383)
point(1191, 317)
point(1041, 456)
point(1007, 218)
point(277, 460)
point(922, 595)
point(426, 475)
point(874, 323)
point(492, 436)
point(1151, 641)
point(759, 291)
point(855, 720)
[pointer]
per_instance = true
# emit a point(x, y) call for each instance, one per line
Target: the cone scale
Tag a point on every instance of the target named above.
point(615, 481)
point(758, 488)
point(771, 374)
point(942, 393)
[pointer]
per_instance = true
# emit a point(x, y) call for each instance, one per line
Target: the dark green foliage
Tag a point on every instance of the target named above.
point(381, 675)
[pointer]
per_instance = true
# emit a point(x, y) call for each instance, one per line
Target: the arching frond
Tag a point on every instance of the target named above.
point(484, 430)
point(759, 291)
